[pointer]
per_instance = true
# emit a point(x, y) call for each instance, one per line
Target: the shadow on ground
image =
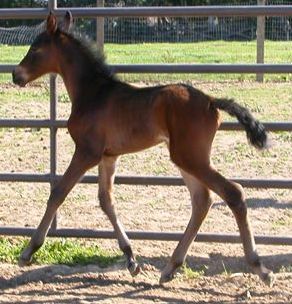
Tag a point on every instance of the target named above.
point(91, 281)
point(263, 203)
point(218, 264)
point(212, 265)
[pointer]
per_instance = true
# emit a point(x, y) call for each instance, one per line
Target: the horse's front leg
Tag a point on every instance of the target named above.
point(80, 163)
point(106, 180)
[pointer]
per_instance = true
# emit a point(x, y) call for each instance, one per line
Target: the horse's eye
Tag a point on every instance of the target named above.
point(34, 49)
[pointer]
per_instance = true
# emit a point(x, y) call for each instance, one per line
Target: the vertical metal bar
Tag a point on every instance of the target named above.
point(53, 137)
point(100, 27)
point(260, 41)
point(52, 5)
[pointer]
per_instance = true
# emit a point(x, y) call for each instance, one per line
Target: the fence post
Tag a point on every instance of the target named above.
point(260, 41)
point(52, 5)
point(100, 27)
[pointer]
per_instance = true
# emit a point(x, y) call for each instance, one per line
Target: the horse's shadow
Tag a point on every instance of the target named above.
point(131, 289)
point(213, 265)
point(255, 203)
point(218, 263)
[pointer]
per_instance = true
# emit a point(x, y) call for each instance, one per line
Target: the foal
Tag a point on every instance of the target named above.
point(110, 118)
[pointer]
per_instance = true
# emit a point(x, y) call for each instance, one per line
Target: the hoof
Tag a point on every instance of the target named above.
point(25, 258)
point(134, 268)
point(24, 262)
point(165, 278)
point(269, 279)
point(266, 275)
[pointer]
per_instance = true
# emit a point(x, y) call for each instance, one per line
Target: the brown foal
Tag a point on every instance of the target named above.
point(110, 118)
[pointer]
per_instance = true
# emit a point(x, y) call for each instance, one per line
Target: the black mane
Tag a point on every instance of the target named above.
point(95, 58)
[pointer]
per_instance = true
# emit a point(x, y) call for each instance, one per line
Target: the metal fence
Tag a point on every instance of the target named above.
point(159, 29)
point(53, 124)
point(162, 29)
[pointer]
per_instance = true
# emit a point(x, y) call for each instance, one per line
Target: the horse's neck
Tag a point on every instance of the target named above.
point(75, 72)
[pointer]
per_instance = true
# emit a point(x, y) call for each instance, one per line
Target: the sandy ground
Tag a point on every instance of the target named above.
point(91, 284)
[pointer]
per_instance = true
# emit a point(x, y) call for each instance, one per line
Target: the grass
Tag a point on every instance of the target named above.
point(199, 52)
point(191, 274)
point(226, 271)
point(285, 221)
point(287, 268)
point(58, 251)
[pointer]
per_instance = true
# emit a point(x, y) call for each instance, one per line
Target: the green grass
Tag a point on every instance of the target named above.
point(58, 251)
point(284, 221)
point(191, 274)
point(12, 54)
point(226, 271)
point(287, 268)
point(199, 52)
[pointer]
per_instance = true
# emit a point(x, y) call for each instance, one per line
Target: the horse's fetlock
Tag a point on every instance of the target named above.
point(177, 263)
point(127, 250)
point(254, 260)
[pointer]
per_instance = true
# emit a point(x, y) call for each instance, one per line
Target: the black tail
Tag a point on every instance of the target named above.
point(255, 131)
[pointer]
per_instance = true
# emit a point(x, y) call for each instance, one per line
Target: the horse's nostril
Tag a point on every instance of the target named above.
point(17, 78)
point(13, 76)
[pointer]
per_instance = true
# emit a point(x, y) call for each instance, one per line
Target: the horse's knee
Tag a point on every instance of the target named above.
point(234, 197)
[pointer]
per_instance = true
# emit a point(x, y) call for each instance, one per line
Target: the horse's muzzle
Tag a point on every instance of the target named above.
point(18, 77)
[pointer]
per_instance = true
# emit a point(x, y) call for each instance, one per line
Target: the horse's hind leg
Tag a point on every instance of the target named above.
point(106, 179)
point(201, 202)
point(78, 166)
point(232, 194)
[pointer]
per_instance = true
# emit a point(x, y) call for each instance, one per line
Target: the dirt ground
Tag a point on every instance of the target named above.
point(223, 276)
point(91, 284)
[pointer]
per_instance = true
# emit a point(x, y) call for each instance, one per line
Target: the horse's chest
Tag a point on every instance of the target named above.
point(81, 128)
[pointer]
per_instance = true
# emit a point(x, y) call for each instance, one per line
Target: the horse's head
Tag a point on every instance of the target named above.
point(41, 57)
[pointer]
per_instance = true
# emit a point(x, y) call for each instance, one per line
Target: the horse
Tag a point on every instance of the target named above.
point(110, 117)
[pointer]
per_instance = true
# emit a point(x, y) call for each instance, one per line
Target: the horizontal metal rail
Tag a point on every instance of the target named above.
point(144, 180)
point(189, 68)
point(182, 11)
point(147, 235)
point(203, 68)
point(32, 123)
point(46, 123)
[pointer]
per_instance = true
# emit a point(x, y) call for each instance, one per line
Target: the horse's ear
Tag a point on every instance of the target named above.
point(67, 22)
point(51, 23)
